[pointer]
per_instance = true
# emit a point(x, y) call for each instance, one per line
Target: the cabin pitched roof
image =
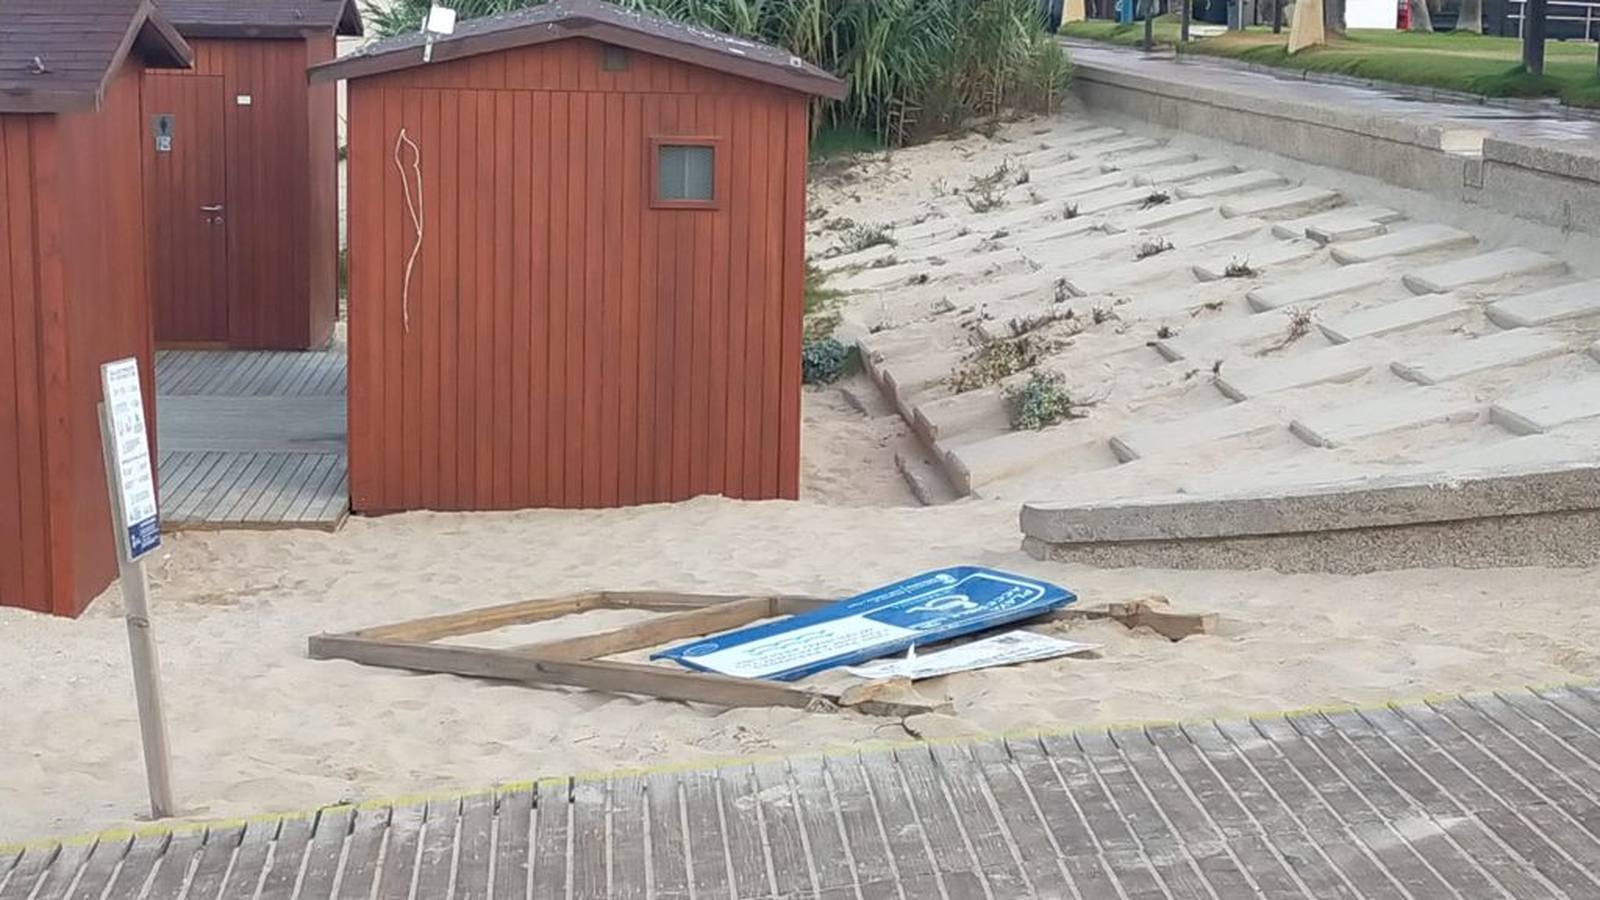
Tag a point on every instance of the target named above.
point(58, 55)
point(263, 18)
point(600, 21)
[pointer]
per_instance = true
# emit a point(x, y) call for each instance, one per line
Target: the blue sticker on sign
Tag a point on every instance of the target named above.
point(931, 607)
point(144, 537)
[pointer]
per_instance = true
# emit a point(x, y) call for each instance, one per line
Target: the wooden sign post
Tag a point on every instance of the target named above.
point(137, 524)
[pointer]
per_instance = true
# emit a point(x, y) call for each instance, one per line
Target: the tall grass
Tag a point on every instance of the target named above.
point(915, 67)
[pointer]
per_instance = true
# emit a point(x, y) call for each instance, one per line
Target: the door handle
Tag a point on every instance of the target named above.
point(212, 209)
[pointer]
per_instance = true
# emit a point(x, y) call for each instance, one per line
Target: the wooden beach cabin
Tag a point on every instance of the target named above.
point(244, 200)
point(72, 278)
point(606, 212)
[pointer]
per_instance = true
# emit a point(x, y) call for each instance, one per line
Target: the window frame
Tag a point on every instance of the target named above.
point(718, 147)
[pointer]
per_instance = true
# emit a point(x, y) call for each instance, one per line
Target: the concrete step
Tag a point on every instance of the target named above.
point(1205, 343)
point(1204, 167)
point(1344, 363)
point(1397, 315)
point(1549, 406)
point(1295, 201)
point(1347, 229)
point(1045, 233)
point(1260, 258)
point(1461, 358)
point(1086, 137)
point(1114, 273)
point(1211, 426)
point(1578, 442)
point(924, 474)
point(1077, 187)
point(1110, 148)
point(1147, 159)
point(1403, 242)
point(1569, 301)
point(1295, 228)
point(1241, 183)
point(941, 419)
point(1303, 290)
point(980, 266)
point(1385, 413)
point(1156, 216)
point(1480, 269)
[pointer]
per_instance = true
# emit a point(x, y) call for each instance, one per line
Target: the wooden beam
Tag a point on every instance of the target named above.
point(485, 618)
point(614, 677)
point(671, 627)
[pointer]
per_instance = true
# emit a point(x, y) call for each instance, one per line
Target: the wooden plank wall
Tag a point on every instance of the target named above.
point(569, 345)
point(73, 212)
point(281, 190)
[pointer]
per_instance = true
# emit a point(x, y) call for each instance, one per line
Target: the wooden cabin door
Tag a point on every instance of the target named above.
point(187, 207)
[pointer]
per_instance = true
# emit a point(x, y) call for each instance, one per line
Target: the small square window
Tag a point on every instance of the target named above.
point(614, 58)
point(686, 173)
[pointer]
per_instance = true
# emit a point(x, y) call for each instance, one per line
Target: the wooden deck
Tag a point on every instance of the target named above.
point(252, 439)
point(1491, 796)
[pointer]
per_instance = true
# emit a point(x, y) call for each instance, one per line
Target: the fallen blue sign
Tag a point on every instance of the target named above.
point(929, 608)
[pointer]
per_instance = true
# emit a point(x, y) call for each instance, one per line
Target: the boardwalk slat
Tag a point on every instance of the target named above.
point(1024, 829)
point(476, 847)
point(908, 844)
point(746, 853)
point(324, 854)
point(25, 872)
point(54, 883)
point(590, 869)
point(703, 820)
point(216, 857)
point(172, 871)
point(361, 858)
point(869, 849)
point(551, 826)
point(825, 844)
point(1060, 815)
point(100, 867)
point(975, 815)
point(1568, 746)
point(250, 860)
point(628, 853)
point(513, 843)
point(436, 859)
point(781, 826)
point(951, 858)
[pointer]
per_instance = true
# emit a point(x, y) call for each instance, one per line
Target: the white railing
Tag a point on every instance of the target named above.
point(1585, 11)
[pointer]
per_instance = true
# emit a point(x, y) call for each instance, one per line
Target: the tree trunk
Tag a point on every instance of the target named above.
point(1421, 19)
point(1147, 9)
point(1333, 16)
point(1470, 17)
point(1533, 31)
point(1307, 28)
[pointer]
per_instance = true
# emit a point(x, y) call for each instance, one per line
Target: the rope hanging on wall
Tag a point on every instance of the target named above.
point(415, 208)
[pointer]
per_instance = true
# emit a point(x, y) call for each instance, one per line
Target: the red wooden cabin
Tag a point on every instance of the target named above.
point(244, 206)
point(605, 304)
point(72, 278)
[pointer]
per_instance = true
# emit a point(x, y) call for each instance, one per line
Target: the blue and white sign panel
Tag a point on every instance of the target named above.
point(130, 450)
point(932, 607)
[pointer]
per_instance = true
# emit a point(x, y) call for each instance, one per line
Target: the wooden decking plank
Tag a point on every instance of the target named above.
point(513, 843)
point(975, 815)
point(98, 869)
point(781, 825)
point(245, 481)
point(1042, 862)
point(250, 860)
point(174, 865)
point(26, 871)
point(58, 878)
point(628, 860)
point(262, 484)
point(1528, 751)
point(1178, 871)
point(1583, 706)
point(266, 382)
point(333, 497)
point(590, 847)
point(234, 376)
point(1582, 746)
point(296, 383)
point(902, 830)
point(310, 488)
point(285, 483)
point(825, 844)
point(216, 857)
point(1557, 823)
point(1119, 848)
point(952, 859)
point(176, 467)
point(1464, 787)
point(361, 857)
point(742, 830)
point(436, 859)
point(551, 845)
point(1404, 859)
point(196, 465)
point(400, 852)
point(869, 848)
point(325, 852)
point(8, 861)
point(1060, 815)
point(1227, 874)
point(291, 490)
point(208, 494)
point(475, 850)
point(1480, 844)
point(1275, 876)
point(703, 827)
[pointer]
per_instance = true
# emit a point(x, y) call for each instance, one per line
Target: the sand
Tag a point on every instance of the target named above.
point(258, 727)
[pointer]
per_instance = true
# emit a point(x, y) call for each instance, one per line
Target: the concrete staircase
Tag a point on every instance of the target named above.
point(1224, 330)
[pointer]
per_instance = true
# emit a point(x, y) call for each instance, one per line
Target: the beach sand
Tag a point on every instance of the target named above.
point(258, 727)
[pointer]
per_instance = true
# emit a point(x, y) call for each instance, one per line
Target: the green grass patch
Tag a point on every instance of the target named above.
point(1458, 61)
point(838, 141)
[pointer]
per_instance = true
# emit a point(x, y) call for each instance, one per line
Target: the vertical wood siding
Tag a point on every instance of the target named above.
point(72, 296)
point(569, 345)
point(281, 194)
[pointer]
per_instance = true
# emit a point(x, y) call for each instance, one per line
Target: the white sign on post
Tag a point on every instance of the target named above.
point(130, 449)
point(136, 521)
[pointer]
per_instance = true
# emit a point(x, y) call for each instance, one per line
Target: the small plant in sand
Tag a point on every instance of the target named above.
point(1166, 332)
point(1069, 211)
point(1022, 176)
point(1152, 247)
point(1208, 306)
point(919, 278)
point(987, 192)
point(1239, 268)
point(1063, 293)
point(842, 223)
point(992, 362)
point(1299, 326)
point(1040, 402)
point(1021, 325)
point(823, 361)
point(1154, 198)
point(1035, 197)
point(1103, 314)
point(863, 237)
point(883, 262)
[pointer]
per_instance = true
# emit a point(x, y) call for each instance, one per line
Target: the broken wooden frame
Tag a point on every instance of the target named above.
point(577, 662)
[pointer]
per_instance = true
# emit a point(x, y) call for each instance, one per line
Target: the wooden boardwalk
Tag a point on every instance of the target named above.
point(252, 439)
point(1480, 797)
